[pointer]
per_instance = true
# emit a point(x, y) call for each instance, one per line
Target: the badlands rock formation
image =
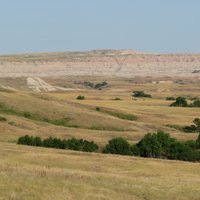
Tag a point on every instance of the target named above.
point(100, 63)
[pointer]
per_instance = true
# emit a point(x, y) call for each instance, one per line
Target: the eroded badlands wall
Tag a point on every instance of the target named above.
point(95, 63)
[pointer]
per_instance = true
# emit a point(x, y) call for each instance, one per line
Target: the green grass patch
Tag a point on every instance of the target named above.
point(120, 115)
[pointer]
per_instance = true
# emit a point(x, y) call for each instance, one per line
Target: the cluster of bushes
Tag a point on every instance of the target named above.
point(72, 144)
point(97, 86)
point(182, 102)
point(156, 145)
point(141, 94)
point(152, 145)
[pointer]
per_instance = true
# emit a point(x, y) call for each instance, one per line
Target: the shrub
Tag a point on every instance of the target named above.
point(98, 108)
point(189, 129)
point(3, 119)
point(141, 94)
point(180, 102)
point(97, 86)
point(27, 115)
point(170, 98)
point(80, 97)
point(118, 146)
point(196, 103)
point(116, 99)
point(194, 128)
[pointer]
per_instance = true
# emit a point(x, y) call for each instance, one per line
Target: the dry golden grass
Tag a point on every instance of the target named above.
point(40, 173)
point(28, 173)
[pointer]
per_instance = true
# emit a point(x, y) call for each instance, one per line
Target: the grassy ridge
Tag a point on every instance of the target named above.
point(58, 122)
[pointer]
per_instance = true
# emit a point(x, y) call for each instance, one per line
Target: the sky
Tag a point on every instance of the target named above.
point(159, 26)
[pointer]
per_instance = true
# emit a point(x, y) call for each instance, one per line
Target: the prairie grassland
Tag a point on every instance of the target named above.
point(28, 173)
point(40, 173)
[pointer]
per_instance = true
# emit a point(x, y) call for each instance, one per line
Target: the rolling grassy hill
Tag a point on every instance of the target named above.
point(40, 173)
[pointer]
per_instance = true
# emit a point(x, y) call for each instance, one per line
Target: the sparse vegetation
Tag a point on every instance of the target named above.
point(170, 98)
point(182, 102)
point(194, 128)
point(141, 94)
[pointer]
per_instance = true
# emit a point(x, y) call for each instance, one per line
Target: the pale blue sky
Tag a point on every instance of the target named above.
point(73, 25)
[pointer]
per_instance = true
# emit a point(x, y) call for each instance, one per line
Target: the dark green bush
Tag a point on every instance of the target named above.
point(141, 94)
point(80, 97)
point(3, 119)
point(118, 146)
point(180, 102)
point(98, 108)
